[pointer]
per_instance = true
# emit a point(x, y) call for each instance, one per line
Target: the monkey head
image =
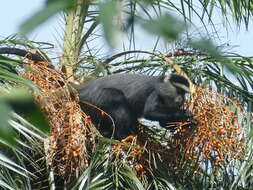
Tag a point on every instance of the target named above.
point(172, 90)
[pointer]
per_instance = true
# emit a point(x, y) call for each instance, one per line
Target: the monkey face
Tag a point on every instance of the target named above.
point(171, 96)
point(173, 101)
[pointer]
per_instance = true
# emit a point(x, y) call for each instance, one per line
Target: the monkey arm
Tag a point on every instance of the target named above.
point(159, 113)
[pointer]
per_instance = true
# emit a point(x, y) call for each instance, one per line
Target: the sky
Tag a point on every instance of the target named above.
point(15, 12)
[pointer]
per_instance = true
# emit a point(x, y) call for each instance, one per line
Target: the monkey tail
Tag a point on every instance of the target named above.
point(23, 53)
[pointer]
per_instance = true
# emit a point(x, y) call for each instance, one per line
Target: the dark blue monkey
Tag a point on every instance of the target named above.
point(127, 97)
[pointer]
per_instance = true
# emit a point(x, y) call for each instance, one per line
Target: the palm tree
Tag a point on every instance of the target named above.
point(155, 159)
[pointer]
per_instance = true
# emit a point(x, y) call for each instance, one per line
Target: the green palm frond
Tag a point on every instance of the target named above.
point(22, 166)
point(106, 172)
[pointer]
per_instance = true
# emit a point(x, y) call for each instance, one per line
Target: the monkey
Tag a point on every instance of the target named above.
point(127, 97)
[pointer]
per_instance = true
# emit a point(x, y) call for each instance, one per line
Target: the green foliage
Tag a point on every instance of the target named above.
point(166, 26)
point(208, 47)
point(106, 172)
point(5, 131)
point(15, 97)
point(51, 8)
point(109, 16)
point(19, 164)
point(204, 63)
point(20, 101)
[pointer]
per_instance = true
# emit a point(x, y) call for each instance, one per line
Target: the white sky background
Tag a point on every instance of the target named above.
point(14, 12)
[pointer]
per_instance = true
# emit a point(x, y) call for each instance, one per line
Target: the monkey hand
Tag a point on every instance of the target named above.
point(188, 114)
point(180, 115)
